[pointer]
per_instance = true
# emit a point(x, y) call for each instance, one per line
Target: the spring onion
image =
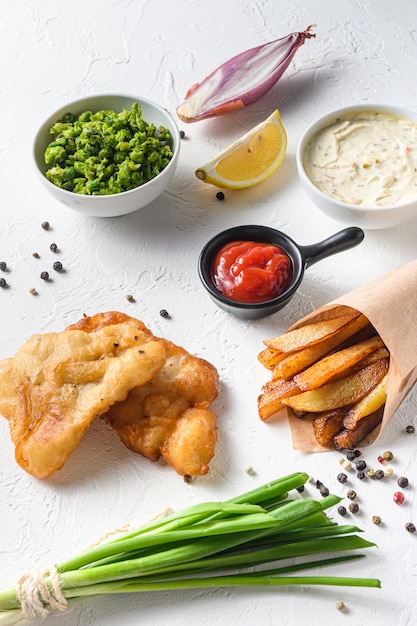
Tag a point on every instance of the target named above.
point(242, 79)
point(225, 544)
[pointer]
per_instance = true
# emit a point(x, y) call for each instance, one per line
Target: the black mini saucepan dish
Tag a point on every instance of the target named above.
point(302, 257)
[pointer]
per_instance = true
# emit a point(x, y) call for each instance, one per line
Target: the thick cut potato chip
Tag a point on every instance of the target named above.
point(341, 392)
point(336, 363)
point(349, 438)
point(310, 334)
point(327, 425)
point(373, 401)
point(270, 401)
point(297, 361)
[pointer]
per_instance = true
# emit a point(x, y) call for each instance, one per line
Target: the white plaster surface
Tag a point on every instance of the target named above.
point(52, 52)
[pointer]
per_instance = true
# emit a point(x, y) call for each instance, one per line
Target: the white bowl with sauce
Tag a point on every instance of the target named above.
point(358, 165)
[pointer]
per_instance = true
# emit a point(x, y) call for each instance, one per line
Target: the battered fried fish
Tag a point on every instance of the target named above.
point(169, 416)
point(58, 383)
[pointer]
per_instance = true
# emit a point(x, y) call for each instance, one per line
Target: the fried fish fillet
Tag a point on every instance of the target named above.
point(58, 383)
point(169, 416)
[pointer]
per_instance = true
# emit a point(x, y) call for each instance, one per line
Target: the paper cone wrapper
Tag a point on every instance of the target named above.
point(390, 304)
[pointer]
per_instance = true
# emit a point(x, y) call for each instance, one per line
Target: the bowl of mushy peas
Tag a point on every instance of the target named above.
point(358, 165)
point(107, 155)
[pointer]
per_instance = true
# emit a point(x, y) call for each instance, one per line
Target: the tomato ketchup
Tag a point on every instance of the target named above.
point(249, 271)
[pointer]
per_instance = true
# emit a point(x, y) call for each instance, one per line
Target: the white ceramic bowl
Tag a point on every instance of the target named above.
point(120, 203)
point(367, 217)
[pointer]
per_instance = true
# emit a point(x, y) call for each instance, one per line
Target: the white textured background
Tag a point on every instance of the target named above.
point(52, 52)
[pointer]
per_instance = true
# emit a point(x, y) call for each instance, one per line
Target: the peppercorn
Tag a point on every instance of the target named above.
point(300, 489)
point(342, 478)
point(361, 475)
point(220, 195)
point(371, 473)
point(45, 275)
point(388, 456)
point(381, 460)
point(351, 494)
point(53, 247)
point(402, 482)
point(351, 455)
point(3, 283)
point(347, 465)
point(340, 605)
point(57, 266)
point(379, 474)
point(376, 520)
point(324, 491)
point(45, 225)
point(360, 466)
point(410, 527)
point(33, 291)
point(130, 298)
point(389, 471)
point(3, 266)
point(398, 497)
point(182, 134)
point(36, 255)
point(410, 429)
point(319, 484)
point(342, 510)
point(354, 507)
point(187, 478)
point(164, 313)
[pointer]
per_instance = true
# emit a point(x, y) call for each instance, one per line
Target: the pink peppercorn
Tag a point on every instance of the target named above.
point(381, 459)
point(398, 497)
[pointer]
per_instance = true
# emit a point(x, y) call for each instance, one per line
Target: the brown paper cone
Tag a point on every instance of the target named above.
point(390, 304)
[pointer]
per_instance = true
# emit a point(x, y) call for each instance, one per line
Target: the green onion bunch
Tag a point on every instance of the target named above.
point(239, 542)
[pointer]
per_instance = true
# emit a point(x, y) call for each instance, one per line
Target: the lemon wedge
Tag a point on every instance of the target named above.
point(250, 159)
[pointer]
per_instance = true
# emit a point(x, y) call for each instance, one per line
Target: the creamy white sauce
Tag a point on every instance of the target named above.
point(367, 159)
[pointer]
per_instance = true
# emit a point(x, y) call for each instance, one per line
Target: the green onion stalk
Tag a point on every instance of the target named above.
point(241, 542)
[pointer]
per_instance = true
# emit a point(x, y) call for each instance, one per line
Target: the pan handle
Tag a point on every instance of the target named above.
point(343, 240)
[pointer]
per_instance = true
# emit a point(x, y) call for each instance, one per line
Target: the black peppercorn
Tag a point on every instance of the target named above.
point(3, 266)
point(45, 225)
point(360, 466)
point(354, 507)
point(402, 482)
point(182, 134)
point(3, 282)
point(351, 455)
point(57, 266)
point(410, 429)
point(342, 510)
point(45, 275)
point(220, 195)
point(410, 527)
point(351, 494)
point(36, 255)
point(53, 247)
point(324, 491)
point(379, 474)
point(342, 478)
point(187, 478)
point(164, 313)
point(361, 475)
point(301, 488)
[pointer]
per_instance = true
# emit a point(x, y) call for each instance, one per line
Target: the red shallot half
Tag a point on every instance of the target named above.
point(241, 80)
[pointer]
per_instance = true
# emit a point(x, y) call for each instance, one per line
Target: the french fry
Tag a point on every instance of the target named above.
point(373, 401)
point(310, 334)
point(349, 438)
point(327, 425)
point(296, 362)
point(270, 357)
point(336, 394)
point(270, 401)
point(336, 363)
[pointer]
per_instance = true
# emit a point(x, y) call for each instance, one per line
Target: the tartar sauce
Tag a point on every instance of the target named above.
point(367, 159)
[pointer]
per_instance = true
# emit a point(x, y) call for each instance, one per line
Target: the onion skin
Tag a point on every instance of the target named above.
point(248, 76)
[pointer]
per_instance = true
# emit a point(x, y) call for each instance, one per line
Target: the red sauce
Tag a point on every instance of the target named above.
point(248, 271)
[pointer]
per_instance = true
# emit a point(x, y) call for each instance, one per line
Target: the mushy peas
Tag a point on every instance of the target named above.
point(367, 159)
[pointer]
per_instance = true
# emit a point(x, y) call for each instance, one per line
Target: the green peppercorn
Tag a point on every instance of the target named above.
point(388, 456)
point(130, 298)
point(371, 473)
point(376, 520)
